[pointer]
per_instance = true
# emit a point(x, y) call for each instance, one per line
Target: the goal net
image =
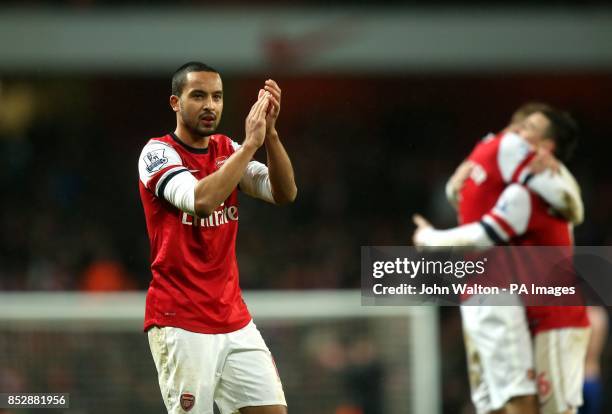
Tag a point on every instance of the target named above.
point(334, 355)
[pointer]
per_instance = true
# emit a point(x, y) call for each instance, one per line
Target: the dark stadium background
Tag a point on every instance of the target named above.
point(368, 149)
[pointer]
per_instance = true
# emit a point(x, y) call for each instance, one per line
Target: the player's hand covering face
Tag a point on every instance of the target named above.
point(201, 103)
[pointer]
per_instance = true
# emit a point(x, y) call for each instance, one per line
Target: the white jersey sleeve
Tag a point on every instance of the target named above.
point(512, 157)
point(510, 216)
point(559, 190)
point(256, 181)
point(162, 172)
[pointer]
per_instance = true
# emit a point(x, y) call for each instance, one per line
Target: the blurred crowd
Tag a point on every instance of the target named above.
point(72, 216)
point(367, 153)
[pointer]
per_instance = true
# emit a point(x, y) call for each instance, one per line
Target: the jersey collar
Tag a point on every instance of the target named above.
point(188, 147)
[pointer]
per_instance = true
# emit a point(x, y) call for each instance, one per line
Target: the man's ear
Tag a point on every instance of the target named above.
point(174, 103)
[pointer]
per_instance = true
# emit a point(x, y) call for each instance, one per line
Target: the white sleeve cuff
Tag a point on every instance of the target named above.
point(256, 182)
point(512, 153)
point(468, 235)
point(177, 186)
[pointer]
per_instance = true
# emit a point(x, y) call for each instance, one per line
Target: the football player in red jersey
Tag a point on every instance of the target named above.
point(204, 343)
point(498, 337)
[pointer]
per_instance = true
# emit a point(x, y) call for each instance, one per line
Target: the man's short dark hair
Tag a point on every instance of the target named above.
point(564, 131)
point(180, 75)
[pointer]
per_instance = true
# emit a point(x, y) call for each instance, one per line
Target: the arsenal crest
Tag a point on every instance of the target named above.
point(187, 401)
point(219, 161)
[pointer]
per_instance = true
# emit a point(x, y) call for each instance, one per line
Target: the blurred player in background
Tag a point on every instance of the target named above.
point(497, 338)
point(504, 158)
point(597, 315)
point(203, 340)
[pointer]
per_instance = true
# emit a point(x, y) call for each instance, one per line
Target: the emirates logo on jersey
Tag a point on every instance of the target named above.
point(223, 215)
point(187, 401)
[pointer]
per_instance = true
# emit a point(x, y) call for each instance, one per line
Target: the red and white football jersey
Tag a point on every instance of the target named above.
point(521, 218)
point(498, 160)
point(193, 260)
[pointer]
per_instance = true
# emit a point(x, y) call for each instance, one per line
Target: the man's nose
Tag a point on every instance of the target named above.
point(208, 103)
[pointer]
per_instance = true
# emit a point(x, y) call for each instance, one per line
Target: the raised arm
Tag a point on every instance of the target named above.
point(162, 171)
point(280, 170)
point(213, 189)
point(559, 189)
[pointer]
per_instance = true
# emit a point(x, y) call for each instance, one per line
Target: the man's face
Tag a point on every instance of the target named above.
point(534, 129)
point(201, 103)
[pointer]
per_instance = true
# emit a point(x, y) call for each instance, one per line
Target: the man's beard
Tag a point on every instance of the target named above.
point(203, 132)
point(195, 128)
point(199, 130)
